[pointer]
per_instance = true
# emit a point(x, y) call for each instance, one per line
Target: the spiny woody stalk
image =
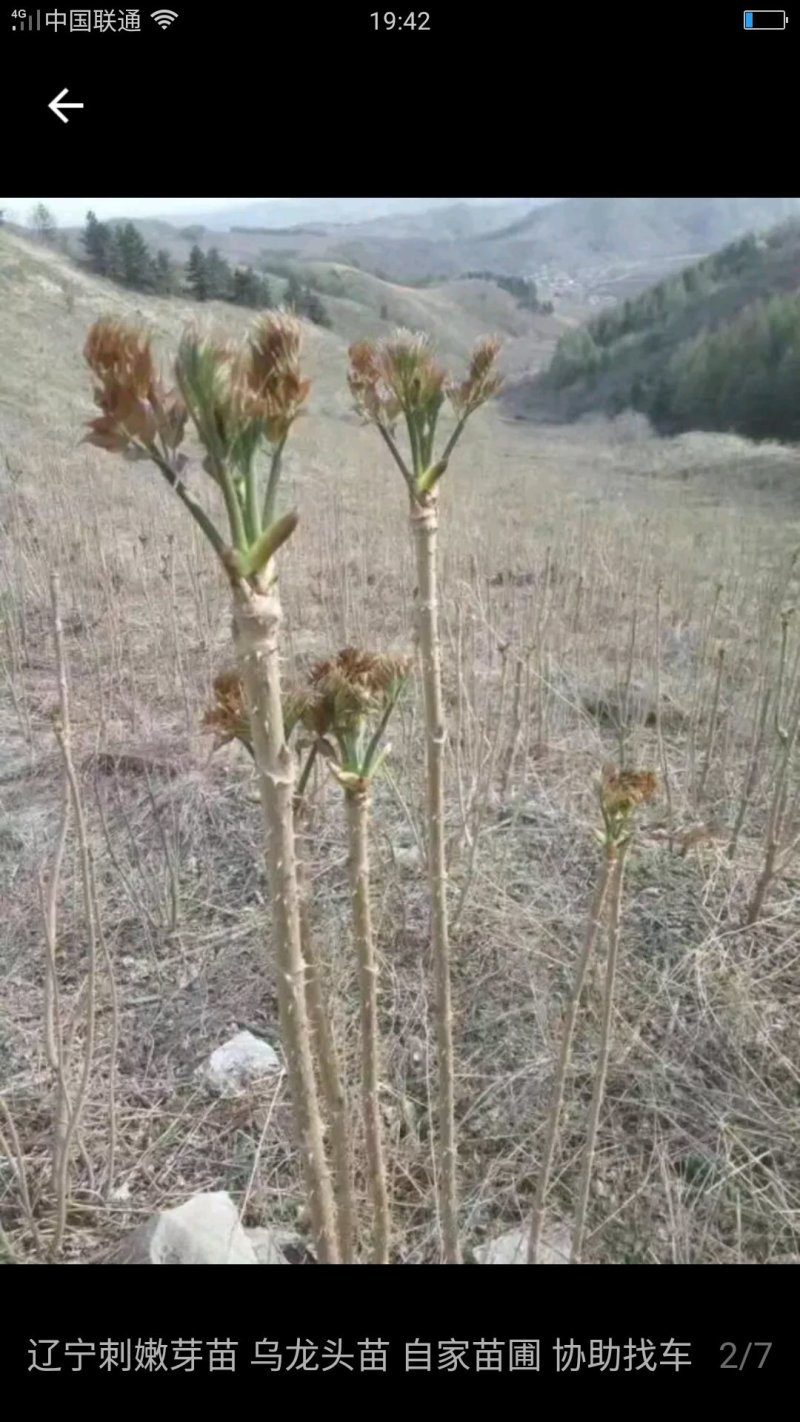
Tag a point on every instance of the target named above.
point(242, 400)
point(620, 794)
point(393, 380)
point(352, 698)
point(228, 719)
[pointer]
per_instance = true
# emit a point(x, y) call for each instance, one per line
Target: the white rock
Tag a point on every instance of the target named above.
point(204, 1230)
point(239, 1062)
point(512, 1248)
point(408, 857)
point(266, 1246)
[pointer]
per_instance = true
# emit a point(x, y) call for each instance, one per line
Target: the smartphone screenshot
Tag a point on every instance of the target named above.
point(400, 691)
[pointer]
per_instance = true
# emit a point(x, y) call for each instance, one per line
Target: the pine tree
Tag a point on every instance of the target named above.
point(246, 287)
point(293, 297)
point(116, 255)
point(44, 223)
point(96, 238)
point(218, 276)
point(196, 275)
point(164, 279)
point(312, 307)
point(135, 258)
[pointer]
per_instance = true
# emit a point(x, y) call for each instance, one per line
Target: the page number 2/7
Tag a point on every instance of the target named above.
point(739, 1356)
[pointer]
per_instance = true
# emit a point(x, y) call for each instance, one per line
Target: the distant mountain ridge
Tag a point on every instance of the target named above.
point(333, 212)
point(599, 241)
point(579, 250)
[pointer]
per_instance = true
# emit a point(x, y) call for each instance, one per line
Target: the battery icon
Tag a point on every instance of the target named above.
point(765, 19)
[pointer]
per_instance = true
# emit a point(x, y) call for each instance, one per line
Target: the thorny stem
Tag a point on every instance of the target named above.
point(257, 617)
point(424, 523)
point(358, 821)
point(330, 1070)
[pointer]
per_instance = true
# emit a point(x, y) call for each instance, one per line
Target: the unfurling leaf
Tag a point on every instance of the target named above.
point(350, 782)
point(257, 557)
point(431, 477)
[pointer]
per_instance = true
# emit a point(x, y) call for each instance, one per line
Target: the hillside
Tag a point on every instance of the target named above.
point(576, 247)
point(599, 240)
point(356, 303)
point(579, 230)
point(715, 347)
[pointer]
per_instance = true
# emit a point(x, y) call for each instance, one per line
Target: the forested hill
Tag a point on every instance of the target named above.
point(715, 347)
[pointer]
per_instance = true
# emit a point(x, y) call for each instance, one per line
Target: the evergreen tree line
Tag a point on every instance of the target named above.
point(523, 289)
point(744, 377)
point(715, 347)
point(120, 253)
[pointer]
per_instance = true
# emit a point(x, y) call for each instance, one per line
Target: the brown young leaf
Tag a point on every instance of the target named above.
point(622, 791)
point(135, 404)
point(482, 381)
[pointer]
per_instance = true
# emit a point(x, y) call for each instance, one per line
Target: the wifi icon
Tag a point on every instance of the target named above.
point(164, 18)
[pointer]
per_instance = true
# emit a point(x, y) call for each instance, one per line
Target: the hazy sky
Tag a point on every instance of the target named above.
point(73, 210)
point(69, 210)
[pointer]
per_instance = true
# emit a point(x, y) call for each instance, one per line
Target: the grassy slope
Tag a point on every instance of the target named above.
point(546, 536)
point(32, 277)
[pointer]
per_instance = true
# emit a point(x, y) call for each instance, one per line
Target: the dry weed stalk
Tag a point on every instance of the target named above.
point(662, 751)
point(515, 735)
point(12, 1152)
point(712, 725)
point(241, 400)
point(69, 1107)
point(394, 379)
point(753, 764)
point(620, 794)
point(780, 839)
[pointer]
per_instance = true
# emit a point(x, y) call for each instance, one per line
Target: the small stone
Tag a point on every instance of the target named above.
point(239, 1062)
point(204, 1230)
point(266, 1246)
point(512, 1248)
point(408, 857)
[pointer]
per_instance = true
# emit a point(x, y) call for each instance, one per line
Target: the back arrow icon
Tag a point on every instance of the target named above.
point(56, 105)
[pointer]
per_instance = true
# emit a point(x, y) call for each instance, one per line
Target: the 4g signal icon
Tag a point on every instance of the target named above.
point(164, 18)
